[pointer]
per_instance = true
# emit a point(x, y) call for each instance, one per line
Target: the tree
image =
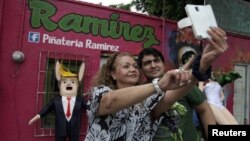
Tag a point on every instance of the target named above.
point(169, 9)
point(122, 6)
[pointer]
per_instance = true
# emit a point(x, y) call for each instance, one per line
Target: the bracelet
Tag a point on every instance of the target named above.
point(197, 73)
point(156, 85)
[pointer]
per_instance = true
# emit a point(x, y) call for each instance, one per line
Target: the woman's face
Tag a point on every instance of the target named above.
point(126, 71)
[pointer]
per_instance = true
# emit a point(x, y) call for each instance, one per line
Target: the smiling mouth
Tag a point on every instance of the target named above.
point(133, 75)
point(155, 71)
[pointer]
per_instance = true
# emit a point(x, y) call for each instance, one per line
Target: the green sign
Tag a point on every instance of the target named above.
point(112, 27)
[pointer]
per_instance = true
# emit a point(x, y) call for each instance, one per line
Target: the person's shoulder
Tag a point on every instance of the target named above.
point(194, 90)
point(79, 97)
point(195, 96)
point(57, 96)
point(101, 89)
point(197, 89)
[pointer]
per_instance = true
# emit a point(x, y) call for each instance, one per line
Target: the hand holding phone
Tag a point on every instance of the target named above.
point(201, 18)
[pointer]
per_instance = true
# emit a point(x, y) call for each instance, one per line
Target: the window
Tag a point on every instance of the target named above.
point(48, 86)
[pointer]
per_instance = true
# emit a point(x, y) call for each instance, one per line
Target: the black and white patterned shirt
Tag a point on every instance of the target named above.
point(130, 124)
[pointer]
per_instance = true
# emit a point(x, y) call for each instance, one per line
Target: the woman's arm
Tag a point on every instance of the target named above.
point(222, 96)
point(206, 115)
point(122, 98)
point(216, 47)
point(119, 99)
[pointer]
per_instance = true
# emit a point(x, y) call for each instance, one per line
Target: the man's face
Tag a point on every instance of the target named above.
point(68, 86)
point(152, 67)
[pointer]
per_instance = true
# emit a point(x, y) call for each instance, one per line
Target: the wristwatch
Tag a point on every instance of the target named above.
point(156, 85)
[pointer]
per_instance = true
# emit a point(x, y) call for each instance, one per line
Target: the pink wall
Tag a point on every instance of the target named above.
point(238, 52)
point(18, 83)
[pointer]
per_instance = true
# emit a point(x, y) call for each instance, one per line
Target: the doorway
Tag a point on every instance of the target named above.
point(241, 94)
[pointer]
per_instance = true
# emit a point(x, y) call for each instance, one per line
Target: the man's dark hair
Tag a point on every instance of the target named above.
point(149, 51)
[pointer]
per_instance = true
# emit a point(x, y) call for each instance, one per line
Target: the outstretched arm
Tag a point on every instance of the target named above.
point(206, 115)
point(222, 96)
point(172, 96)
point(216, 47)
point(122, 98)
point(48, 108)
point(35, 118)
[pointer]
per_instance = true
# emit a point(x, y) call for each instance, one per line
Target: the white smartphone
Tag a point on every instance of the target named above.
point(202, 17)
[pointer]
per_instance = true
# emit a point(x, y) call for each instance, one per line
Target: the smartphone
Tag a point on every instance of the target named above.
point(202, 17)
